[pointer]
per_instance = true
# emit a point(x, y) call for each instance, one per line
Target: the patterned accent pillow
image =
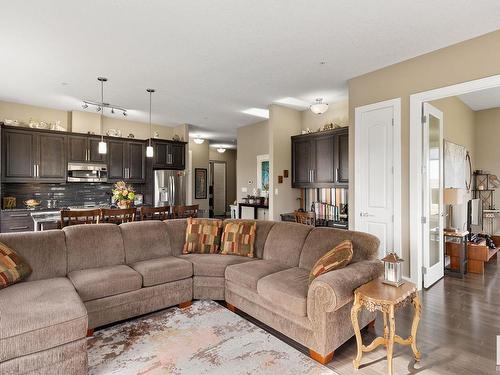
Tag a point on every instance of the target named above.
point(202, 236)
point(238, 239)
point(338, 257)
point(13, 267)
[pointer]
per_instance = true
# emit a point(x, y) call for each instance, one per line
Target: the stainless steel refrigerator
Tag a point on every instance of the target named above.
point(170, 188)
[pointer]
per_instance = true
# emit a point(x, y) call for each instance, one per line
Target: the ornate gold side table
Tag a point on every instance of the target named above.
point(377, 296)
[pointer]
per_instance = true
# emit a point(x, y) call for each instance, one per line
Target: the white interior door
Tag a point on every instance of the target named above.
point(433, 209)
point(219, 183)
point(374, 174)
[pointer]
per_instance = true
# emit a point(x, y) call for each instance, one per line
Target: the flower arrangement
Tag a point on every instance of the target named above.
point(123, 194)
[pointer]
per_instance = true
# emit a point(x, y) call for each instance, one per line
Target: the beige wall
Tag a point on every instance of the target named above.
point(23, 113)
point(252, 140)
point(200, 157)
point(487, 155)
point(338, 113)
point(230, 158)
point(84, 122)
point(458, 123)
point(283, 123)
point(469, 60)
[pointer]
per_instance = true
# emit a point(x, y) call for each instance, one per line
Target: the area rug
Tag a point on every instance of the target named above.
point(205, 338)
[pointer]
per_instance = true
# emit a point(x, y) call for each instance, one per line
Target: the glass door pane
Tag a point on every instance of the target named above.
point(433, 241)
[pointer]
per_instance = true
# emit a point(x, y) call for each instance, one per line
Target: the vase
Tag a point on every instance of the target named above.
point(124, 204)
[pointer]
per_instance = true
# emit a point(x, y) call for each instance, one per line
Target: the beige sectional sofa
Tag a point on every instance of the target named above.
point(86, 276)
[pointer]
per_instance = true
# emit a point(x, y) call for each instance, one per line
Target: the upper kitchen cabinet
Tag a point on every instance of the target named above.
point(321, 160)
point(169, 154)
point(126, 161)
point(33, 156)
point(83, 148)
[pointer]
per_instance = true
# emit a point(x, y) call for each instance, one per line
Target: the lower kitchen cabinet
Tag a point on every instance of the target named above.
point(16, 221)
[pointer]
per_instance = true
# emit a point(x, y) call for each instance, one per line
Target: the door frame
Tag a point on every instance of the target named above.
point(416, 204)
point(396, 159)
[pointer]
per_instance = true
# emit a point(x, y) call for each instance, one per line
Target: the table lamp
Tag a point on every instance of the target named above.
point(451, 196)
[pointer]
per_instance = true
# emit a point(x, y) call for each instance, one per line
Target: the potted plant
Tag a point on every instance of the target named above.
point(123, 194)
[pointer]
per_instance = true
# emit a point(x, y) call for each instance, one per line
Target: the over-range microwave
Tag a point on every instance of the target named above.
point(87, 172)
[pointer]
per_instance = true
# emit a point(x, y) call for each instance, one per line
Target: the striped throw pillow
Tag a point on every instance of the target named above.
point(338, 257)
point(13, 267)
point(202, 236)
point(238, 239)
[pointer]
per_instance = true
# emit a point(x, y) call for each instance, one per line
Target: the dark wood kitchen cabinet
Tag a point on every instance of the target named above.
point(33, 156)
point(82, 148)
point(321, 160)
point(126, 161)
point(169, 154)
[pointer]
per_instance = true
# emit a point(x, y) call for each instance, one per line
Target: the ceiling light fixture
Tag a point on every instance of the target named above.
point(85, 106)
point(319, 107)
point(198, 140)
point(221, 150)
point(149, 149)
point(102, 147)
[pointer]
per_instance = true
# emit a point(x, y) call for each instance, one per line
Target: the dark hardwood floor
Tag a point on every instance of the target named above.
point(457, 333)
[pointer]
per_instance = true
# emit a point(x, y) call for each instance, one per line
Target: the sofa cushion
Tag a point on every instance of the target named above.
point(321, 240)
point(163, 270)
point(247, 275)
point(238, 239)
point(336, 258)
point(202, 236)
point(92, 246)
point(13, 267)
point(261, 232)
point(44, 251)
point(94, 283)
point(287, 289)
point(39, 315)
point(145, 240)
point(284, 243)
point(176, 229)
point(212, 264)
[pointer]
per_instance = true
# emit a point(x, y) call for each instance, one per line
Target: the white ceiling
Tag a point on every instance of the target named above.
point(484, 99)
point(210, 60)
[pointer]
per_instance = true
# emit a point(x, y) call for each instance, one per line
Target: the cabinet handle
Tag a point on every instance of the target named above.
point(19, 215)
point(38, 170)
point(18, 228)
point(169, 158)
point(34, 170)
point(336, 175)
point(313, 173)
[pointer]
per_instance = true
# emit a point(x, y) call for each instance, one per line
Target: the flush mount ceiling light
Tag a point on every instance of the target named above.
point(221, 150)
point(198, 140)
point(149, 149)
point(319, 107)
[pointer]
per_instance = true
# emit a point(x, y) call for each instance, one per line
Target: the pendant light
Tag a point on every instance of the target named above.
point(103, 147)
point(149, 149)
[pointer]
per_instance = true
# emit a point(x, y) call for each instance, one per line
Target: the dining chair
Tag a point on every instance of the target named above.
point(155, 213)
point(181, 212)
point(307, 218)
point(74, 217)
point(117, 215)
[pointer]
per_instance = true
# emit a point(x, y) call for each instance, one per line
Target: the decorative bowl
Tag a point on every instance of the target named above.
point(32, 203)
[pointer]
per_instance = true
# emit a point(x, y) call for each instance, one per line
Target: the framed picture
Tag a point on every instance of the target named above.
point(200, 183)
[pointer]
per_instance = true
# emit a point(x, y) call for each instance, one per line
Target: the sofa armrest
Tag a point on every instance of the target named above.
point(332, 290)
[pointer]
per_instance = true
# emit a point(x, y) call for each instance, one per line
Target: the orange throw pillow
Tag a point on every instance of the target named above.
point(238, 239)
point(13, 267)
point(202, 236)
point(338, 257)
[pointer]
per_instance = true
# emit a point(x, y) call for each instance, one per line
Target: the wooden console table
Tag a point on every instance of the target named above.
point(462, 254)
point(377, 296)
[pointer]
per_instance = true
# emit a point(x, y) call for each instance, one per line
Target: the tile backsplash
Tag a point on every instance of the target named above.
point(67, 194)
